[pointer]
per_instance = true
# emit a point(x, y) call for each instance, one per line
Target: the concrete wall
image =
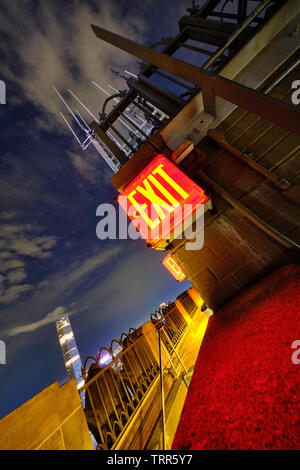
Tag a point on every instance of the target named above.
point(236, 252)
point(51, 420)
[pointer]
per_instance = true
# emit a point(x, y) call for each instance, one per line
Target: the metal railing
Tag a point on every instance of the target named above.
point(174, 325)
point(118, 379)
point(114, 392)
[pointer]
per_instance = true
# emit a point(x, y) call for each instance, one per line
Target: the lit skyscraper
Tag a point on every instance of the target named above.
point(70, 351)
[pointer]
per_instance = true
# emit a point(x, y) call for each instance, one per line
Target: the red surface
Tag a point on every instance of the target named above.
point(244, 392)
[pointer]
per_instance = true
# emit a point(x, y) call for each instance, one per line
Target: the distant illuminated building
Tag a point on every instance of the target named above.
point(70, 352)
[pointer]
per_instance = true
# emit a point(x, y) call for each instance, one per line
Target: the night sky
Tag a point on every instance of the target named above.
point(52, 263)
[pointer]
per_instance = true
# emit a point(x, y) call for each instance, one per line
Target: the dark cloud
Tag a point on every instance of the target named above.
point(55, 45)
point(51, 262)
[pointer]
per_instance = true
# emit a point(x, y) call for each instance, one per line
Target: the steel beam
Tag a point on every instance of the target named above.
point(282, 114)
point(120, 135)
point(206, 9)
point(167, 102)
point(258, 10)
point(116, 151)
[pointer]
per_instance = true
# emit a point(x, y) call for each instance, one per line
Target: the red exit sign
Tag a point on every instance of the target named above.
point(160, 200)
point(174, 268)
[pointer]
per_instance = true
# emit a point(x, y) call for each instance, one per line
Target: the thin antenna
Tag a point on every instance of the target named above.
point(103, 154)
point(132, 74)
point(114, 89)
point(66, 105)
point(117, 100)
point(100, 87)
point(70, 128)
point(148, 103)
point(83, 105)
point(90, 135)
point(117, 73)
point(85, 123)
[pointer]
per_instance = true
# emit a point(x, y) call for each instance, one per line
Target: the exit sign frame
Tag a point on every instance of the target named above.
point(162, 202)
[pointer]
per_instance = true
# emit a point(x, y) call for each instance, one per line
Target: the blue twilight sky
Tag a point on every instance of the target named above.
point(51, 260)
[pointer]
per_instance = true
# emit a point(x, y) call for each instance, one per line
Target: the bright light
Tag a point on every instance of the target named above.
point(174, 268)
point(161, 200)
point(105, 359)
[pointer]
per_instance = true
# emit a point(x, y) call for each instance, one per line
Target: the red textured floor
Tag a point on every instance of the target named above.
point(244, 392)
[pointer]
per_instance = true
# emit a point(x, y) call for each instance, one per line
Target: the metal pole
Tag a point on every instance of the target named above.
point(135, 125)
point(146, 111)
point(122, 138)
point(281, 76)
point(236, 33)
point(221, 140)
point(83, 105)
point(174, 80)
point(103, 154)
point(163, 421)
point(113, 147)
point(177, 355)
point(169, 359)
point(271, 231)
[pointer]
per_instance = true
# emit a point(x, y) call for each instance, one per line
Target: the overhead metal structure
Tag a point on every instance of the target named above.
point(211, 85)
point(169, 83)
point(209, 37)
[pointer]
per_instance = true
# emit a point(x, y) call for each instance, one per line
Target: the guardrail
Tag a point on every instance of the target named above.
point(174, 325)
point(118, 379)
point(113, 392)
